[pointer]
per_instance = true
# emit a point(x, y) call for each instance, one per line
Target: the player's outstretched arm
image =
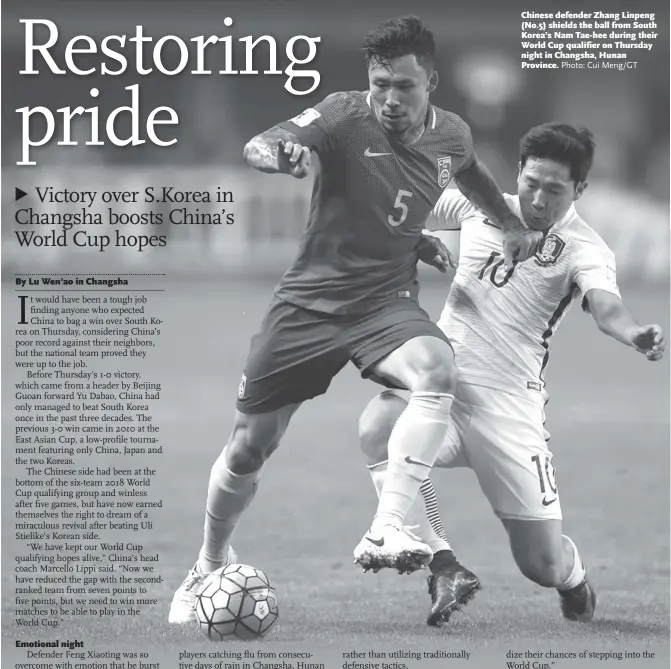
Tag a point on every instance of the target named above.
point(613, 318)
point(476, 182)
point(278, 151)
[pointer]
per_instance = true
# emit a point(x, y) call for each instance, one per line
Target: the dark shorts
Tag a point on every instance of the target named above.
point(297, 352)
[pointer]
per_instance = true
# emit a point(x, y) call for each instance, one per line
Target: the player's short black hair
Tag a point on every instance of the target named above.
point(574, 147)
point(403, 36)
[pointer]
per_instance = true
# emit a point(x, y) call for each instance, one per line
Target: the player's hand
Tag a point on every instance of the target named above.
point(649, 340)
point(520, 243)
point(294, 159)
point(433, 252)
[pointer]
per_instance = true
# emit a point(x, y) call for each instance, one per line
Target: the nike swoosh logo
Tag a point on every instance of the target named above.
point(377, 542)
point(370, 154)
point(410, 461)
point(547, 503)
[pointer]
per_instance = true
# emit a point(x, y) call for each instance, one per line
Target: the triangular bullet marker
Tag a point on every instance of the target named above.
point(18, 193)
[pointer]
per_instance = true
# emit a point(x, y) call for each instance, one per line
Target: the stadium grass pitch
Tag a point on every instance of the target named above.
point(609, 419)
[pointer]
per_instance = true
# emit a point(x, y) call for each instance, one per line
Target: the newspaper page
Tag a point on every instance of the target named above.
point(164, 164)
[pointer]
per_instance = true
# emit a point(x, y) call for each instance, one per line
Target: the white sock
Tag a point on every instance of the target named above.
point(228, 495)
point(424, 511)
point(418, 436)
point(577, 575)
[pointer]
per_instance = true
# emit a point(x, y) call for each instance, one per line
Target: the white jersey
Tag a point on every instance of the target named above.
point(500, 323)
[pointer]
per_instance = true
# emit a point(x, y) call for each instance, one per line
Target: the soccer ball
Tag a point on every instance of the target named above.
point(236, 602)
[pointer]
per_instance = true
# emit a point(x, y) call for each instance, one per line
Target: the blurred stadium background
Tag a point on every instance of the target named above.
point(478, 61)
point(609, 412)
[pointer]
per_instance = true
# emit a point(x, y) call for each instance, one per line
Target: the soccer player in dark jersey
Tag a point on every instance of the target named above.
point(352, 294)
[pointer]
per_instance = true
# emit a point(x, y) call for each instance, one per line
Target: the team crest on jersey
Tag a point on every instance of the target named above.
point(550, 250)
point(444, 171)
point(242, 387)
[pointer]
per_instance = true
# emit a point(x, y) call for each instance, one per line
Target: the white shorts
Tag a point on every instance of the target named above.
point(501, 437)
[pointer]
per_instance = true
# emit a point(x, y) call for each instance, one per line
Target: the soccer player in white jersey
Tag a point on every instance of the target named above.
point(500, 321)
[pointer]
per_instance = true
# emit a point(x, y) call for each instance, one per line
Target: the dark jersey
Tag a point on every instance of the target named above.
point(371, 197)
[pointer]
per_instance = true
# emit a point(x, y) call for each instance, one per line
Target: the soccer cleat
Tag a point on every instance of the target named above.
point(450, 588)
point(183, 606)
point(578, 604)
point(395, 548)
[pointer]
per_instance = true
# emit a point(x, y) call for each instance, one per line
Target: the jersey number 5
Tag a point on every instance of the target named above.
point(499, 282)
point(402, 207)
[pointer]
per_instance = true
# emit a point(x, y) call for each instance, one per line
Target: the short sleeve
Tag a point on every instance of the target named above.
point(326, 125)
point(465, 136)
point(460, 141)
point(595, 269)
point(451, 210)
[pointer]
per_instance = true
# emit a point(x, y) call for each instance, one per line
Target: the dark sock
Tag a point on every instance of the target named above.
point(442, 560)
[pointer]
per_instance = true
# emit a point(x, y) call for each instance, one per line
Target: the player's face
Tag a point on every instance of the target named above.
point(546, 191)
point(400, 93)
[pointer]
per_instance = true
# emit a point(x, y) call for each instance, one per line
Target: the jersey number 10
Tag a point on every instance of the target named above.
point(499, 282)
point(549, 473)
